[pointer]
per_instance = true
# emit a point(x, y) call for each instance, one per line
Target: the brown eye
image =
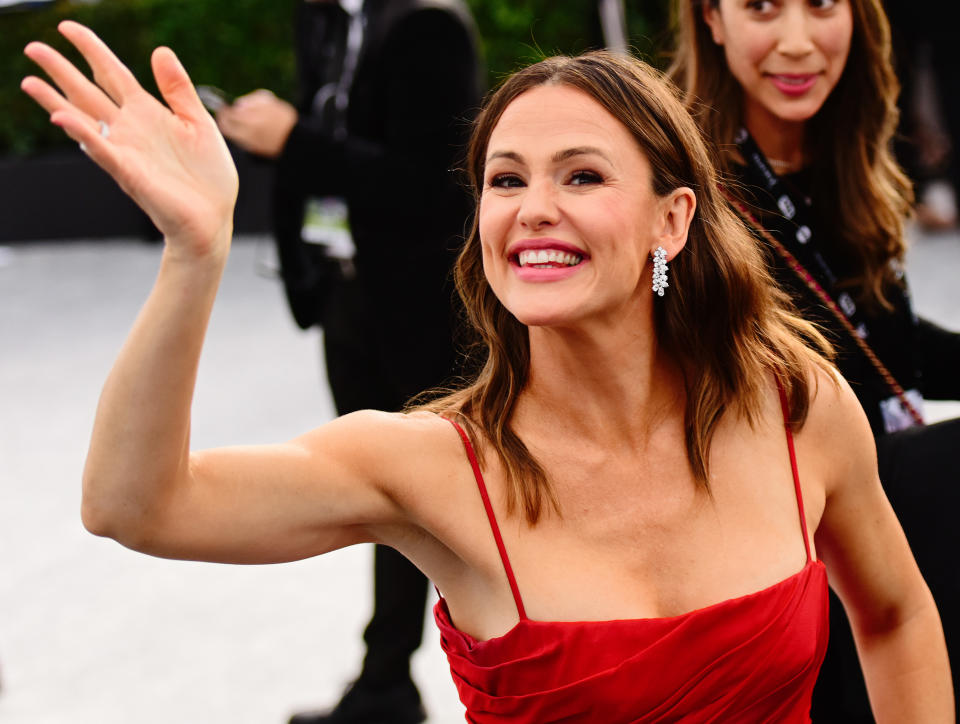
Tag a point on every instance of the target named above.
point(582, 178)
point(506, 181)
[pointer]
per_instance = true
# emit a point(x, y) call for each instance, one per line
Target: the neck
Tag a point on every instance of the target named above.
point(603, 384)
point(781, 141)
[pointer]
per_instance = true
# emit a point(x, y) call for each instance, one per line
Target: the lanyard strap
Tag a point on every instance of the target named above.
point(793, 225)
point(827, 301)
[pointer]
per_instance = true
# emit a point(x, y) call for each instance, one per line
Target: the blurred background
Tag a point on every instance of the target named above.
point(236, 45)
point(91, 632)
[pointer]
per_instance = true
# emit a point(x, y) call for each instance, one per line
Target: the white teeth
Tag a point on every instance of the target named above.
point(547, 256)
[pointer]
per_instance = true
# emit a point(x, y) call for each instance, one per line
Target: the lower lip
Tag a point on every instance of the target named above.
point(795, 87)
point(531, 273)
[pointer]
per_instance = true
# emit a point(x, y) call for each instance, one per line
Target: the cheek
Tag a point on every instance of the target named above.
point(494, 270)
point(744, 52)
point(493, 220)
point(835, 41)
point(483, 226)
point(490, 227)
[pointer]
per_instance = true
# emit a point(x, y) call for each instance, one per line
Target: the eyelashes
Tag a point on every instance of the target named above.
point(506, 181)
point(768, 7)
point(582, 177)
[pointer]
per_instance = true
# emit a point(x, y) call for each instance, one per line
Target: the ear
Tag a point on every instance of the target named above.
point(676, 213)
point(711, 16)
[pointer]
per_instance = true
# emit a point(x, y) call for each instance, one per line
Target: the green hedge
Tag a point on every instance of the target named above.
point(517, 33)
point(244, 44)
point(228, 43)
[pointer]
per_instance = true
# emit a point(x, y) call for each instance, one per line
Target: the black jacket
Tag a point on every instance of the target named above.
point(917, 352)
point(416, 88)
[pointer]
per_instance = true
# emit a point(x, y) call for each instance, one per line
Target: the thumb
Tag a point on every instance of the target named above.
point(175, 85)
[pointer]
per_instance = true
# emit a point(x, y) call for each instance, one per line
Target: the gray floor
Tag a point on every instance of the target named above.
point(91, 633)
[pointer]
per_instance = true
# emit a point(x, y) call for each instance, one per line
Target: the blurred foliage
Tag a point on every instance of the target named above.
point(516, 33)
point(233, 44)
point(239, 45)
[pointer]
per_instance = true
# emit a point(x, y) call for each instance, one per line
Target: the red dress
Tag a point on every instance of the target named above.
point(749, 659)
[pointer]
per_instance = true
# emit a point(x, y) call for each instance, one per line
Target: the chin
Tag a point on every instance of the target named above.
point(535, 319)
point(551, 317)
point(799, 111)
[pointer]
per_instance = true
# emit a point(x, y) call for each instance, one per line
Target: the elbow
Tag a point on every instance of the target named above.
point(917, 609)
point(98, 502)
point(105, 516)
point(97, 519)
point(133, 524)
point(107, 523)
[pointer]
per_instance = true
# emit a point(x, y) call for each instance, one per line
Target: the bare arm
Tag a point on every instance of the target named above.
point(141, 483)
point(893, 616)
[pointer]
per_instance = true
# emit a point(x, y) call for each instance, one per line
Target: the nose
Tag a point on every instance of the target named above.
point(795, 39)
point(538, 207)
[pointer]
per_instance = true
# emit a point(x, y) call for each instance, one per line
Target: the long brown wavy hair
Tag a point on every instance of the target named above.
point(722, 320)
point(861, 191)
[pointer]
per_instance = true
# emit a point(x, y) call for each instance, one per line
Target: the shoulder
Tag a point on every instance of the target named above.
point(413, 15)
point(836, 436)
point(405, 455)
point(833, 402)
point(445, 11)
point(442, 26)
point(373, 435)
point(415, 48)
point(417, 460)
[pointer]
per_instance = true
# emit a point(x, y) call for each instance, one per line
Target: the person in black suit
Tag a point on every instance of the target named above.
point(387, 91)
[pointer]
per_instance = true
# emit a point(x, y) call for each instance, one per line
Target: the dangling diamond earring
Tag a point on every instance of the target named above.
point(659, 270)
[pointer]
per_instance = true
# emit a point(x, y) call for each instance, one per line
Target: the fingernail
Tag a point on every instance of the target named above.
point(176, 58)
point(83, 147)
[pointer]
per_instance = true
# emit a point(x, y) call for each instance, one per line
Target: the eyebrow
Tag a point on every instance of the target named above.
point(558, 157)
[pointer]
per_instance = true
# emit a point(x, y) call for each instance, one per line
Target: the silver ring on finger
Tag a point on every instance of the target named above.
point(104, 129)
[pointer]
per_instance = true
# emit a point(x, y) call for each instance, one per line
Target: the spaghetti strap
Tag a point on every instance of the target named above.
point(492, 518)
point(793, 465)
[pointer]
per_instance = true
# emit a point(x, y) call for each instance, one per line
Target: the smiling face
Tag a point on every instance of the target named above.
point(787, 55)
point(568, 217)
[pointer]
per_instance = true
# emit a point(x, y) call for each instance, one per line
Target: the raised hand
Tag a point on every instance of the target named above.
point(170, 159)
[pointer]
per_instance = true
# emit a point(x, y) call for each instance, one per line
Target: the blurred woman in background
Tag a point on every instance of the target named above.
point(799, 97)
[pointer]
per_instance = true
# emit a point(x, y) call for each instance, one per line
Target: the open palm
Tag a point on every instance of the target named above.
point(171, 159)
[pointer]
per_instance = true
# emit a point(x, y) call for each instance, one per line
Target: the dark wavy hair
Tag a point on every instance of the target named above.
point(861, 190)
point(723, 319)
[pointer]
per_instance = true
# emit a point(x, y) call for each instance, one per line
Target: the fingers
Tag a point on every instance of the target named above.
point(43, 94)
point(51, 101)
point(225, 120)
point(109, 73)
point(89, 137)
point(259, 96)
point(175, 85)
point(237, 118)
point(82, 93)
point(232, 126)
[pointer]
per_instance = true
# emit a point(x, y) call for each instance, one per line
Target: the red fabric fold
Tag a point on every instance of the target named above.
point(750, 659)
